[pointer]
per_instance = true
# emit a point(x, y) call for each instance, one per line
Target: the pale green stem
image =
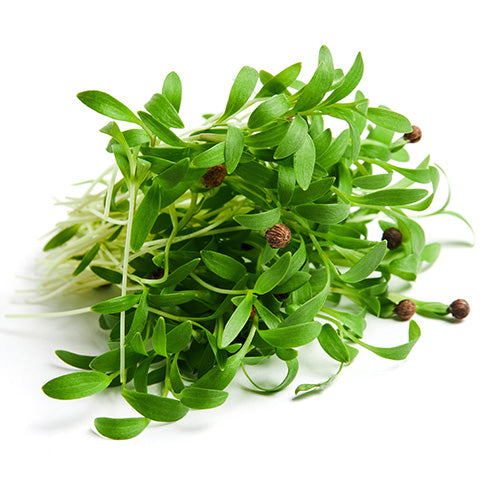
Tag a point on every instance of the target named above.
point(208, 286)
point(126, 252)
point(61, 314)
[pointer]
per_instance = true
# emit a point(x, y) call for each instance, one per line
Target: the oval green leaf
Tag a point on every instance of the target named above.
point(261, 221)
point(272, 277)
point(235, 142)
point(199, 398)
point(268, 111)
point(155, 407)
point(303, 162)
point(116, 305)
point(120, 428)
point(324, 214)
point(293, 140)
point(107, 105)
point(76, 385)
point(223, 265)
point(366, 265)
point(292, 336)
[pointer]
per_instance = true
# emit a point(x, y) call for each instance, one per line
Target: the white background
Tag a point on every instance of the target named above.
point(423, 428)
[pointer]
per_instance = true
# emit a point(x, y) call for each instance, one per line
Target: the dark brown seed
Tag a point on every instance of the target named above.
point(278, 236)
point(393, 237)
point(414, 136)
point(459, 308)
point(158, 273)
point(253, 312)
point(281, 296)
point(214, 176)
point(405, 309)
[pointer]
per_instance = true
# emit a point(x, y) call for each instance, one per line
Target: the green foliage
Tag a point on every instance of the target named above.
point(206, 276)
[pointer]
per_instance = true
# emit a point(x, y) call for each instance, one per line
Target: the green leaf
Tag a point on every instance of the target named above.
point(378, 181)
point(109, 361)
point(140, 314)
point(179, 337)
point(160, 130)
point(293, 140)
point(159, 338)
point(175, 377)
point(136, 343)
point(303, 162)
point(268, 111)
point(261, 221)
point(324, 214)
point(116, 305)
point(145, 217)
point(87, 259)
point(355, 322)
point(296, 281)
point(120, 428)
point(279, 83)
point(77, 360)
point(272, 277)
point(155, 407)
point(222, 265)
point(405, 267)
point(270, 137)
point(317, 189)
point(332, 344)
point(292, 336)
point(181, 273)
point(391, 197)
point(237, 321)
point(107, 274)
point(389, 119)
point(286, 183)
point(307, 311)
point(199, 398)
point(172, 89)
point(235, 143)
point(161, 109)
point(350, 82)
point(366, 265)
point(133, 137)
point(107, 105)
point(334, 152)
point(267, 316)
point(76, 385)
point(397, 353)
point(211, 157)
point(320, 83)
point(219, 379)
point(61, 237)
point(243, 86)
point(431, 252)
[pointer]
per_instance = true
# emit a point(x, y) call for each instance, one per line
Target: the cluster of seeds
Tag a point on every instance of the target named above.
point(242, 240)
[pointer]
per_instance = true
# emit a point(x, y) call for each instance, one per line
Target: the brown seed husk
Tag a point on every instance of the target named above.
point(459, 308)
point(281, 296)
point(158, 273)
point(414, 136)
point(393, 237)
point(405, 309)
point(214, 176)
point(253, 312)
point(278, 236)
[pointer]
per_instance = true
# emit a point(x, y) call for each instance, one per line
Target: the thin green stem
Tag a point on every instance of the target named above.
point(126, 252)
point(208, 286)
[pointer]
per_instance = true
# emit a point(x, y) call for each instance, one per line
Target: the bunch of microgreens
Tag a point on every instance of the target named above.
point(229, 243)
